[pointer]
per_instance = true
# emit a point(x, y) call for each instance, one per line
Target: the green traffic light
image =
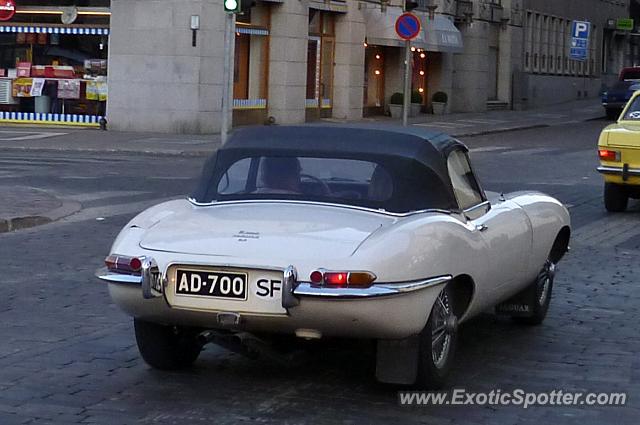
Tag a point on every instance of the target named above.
point(231, 6)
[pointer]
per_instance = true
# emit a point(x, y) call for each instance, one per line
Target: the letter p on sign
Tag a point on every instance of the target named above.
point(581, 29)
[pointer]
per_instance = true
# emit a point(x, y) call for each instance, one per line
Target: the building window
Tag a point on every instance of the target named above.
point(374, 60)
point(320, 58)
point(53, 72)
point(251, 61)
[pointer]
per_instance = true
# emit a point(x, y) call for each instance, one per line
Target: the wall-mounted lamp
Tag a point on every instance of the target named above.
point(468, 18)
point(432, 11)
point(195, 26)
point(504, 23)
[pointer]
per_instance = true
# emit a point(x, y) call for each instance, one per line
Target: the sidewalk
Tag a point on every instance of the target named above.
point(24, 207)
point(476, 124)
point(59, 139)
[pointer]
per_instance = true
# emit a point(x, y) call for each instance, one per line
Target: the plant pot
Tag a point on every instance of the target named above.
point(439, 108)
point(414, 110)
point(396, 111)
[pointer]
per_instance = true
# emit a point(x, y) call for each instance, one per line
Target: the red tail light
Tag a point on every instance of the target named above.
point(336, 278)
point(123, 264)
point(607, 155)
point(343, 279)
point(316, 277)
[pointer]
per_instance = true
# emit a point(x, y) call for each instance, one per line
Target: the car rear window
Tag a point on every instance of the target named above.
point(305, 178)
point(631, 75)
point(633, 111)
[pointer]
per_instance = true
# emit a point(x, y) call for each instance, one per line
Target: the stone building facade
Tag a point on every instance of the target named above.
point(302, 60)
point(547, 74)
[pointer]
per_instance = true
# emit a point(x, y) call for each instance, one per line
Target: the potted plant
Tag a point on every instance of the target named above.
point(416, 103)
point(439, 102)
point(395, 105)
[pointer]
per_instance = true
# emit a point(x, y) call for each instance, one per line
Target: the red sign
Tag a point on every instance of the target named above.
point(408, 26)
point(7, 9)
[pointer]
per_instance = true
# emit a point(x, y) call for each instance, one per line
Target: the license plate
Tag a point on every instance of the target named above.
point(211, 284)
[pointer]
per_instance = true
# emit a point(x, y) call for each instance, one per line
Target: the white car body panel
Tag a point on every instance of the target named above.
point(501, 258)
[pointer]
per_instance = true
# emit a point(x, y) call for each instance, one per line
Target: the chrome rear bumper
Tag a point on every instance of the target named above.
point(623, 171)
point(298, 289)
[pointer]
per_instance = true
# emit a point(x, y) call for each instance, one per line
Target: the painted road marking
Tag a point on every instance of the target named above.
point(115, 210)
point(484, 121)
point(28, 135)
point(531, 151)
point(489, 149)
point(94, 196)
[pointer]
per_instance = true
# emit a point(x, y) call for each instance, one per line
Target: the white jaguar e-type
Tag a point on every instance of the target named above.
point(317, 232)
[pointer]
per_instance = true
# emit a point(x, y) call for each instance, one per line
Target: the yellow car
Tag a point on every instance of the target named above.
point(619, 152)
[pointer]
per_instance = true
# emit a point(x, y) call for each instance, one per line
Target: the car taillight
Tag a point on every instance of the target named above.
point(607, 155)
point(123, 264)
point(343, 279)
point(336, 278)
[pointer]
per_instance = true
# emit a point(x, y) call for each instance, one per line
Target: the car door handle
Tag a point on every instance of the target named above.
point(481, 227)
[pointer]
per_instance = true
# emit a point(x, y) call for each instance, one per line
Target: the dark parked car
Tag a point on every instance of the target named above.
point(615, 98)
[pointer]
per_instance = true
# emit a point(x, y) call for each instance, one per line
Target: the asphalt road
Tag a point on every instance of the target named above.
point(68, 355)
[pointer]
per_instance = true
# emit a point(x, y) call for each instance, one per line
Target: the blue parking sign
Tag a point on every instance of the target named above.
point(580, 32)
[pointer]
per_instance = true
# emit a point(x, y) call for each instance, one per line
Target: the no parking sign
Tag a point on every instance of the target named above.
point(408, 26)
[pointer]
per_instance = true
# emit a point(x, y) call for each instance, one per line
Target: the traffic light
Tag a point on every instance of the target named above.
point(232, 6)
point(410, 5)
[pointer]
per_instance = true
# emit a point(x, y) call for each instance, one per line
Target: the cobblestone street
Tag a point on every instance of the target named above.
point(68, 355)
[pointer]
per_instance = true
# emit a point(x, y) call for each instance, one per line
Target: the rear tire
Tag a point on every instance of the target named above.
point(167, 347)
point(616, 197)
point(438, 342)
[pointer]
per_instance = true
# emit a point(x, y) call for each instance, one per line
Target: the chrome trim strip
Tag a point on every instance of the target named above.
point(105, 275)
point(326, 204)
point(618, 170)
point(475, 207)
point(379, 290)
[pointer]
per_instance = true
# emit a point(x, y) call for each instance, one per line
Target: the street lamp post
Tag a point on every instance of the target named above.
point(231, 8)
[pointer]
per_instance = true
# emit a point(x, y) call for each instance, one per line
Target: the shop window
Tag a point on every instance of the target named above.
point(54, 77)
point(251, 60)
point(320, 59)
point(419, 81)
point(249, 80)
point(374, 78)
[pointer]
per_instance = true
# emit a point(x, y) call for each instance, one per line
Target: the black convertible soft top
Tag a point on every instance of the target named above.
point(416, 158)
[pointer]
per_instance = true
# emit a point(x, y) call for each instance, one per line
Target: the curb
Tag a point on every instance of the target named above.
point(504, 130)
point(183, 154)
point(25, 222)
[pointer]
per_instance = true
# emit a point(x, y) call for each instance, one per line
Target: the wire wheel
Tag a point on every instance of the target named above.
point(545, 280)
point(444, 323)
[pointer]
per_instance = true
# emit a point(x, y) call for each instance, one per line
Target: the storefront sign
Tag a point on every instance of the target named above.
point(7, 9)
point(408, 26)
point(625, 24)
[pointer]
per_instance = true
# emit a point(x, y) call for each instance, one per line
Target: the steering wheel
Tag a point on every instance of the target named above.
point(325, 190)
